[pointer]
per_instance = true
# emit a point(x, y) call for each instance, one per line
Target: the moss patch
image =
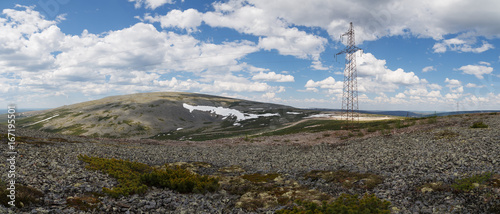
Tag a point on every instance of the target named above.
point(232, 169)
point(257, 177)
point(479, 125)
point(134, 177)
point(469, 183)
point(445, 134)
point(348, 204)
point(267, 190)
point(84, 203)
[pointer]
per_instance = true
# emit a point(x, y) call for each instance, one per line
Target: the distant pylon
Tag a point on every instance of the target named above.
point(350, 91)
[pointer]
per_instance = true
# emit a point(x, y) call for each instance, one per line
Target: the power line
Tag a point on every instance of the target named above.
point(350, 89)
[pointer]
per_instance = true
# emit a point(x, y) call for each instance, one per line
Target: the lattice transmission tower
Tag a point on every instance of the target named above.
point(350, 90)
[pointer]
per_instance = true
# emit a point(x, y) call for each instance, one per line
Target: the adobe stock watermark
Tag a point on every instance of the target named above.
point(11, 153)
point(51, 7)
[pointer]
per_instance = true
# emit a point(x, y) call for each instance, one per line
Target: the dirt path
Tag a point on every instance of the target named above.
point(324, 118)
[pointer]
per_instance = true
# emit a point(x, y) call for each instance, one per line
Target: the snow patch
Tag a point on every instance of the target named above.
point(294, 112)
point(46, 119)
point(226, 112)
point(321, 116)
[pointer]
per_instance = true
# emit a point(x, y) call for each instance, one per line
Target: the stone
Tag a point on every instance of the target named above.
point(426, 189)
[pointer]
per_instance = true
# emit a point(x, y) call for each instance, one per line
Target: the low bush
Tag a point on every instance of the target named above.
point(467, 184)
point(479, 125)
point(84, 203)
point(134, 177)
point(346, 178)
point(181, 180)
point(257, 177)
point(346, 203)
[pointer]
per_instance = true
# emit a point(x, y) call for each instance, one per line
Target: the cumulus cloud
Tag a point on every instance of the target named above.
point(374, 76)
point(329, 83)
point(274, 33)
point(452, 83)
point(274, 77)
point(477, 70)
point(189, 19)
point(473, 85)
point(460, 45)
point(133, 59)
point(428, 68)
point(373, 20)
point(151, 4)
point(455, 87)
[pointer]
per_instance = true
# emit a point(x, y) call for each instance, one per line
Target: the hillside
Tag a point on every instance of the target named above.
point(418, 165)
point(163, 115)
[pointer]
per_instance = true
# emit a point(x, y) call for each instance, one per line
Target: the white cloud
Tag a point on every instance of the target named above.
point(151, 4)
point(275, 32)
point(485, 63)
point(219, 86)
point(269, 95)
point(328, 83)
point(317, 65)
point(476, 70)
point(435, 86)
point(460, 45)
point(417, 92)
point(374, 76)
point(129, 60)
point(472, 85)
point(434, 94)
point(455, 86)
point(428, 68)
point(189, 19)
point(373, 20)
point(452, 83)
point(272, 76)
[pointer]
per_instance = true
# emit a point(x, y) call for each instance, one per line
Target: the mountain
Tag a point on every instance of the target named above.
point(163, 115)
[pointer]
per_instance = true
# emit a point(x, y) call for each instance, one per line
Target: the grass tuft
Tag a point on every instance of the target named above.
point(479, 125)
point(467, 184)
point(257, 177)
point(134, 177)
point(346, 203)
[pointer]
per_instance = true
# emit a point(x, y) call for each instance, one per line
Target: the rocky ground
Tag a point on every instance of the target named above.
point(409, 160)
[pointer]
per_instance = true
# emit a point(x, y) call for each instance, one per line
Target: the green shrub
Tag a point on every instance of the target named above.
point(84, 203)
point(348, 204)
point(467, 184)
point(134, 177)
point(181, 180)
point(126, 172)
point(479, 125)
point(257, 177)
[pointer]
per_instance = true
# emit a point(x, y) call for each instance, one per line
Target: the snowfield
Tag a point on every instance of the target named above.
point(226, 112)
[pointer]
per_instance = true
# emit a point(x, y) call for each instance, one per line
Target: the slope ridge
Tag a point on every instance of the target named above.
point(160, 114)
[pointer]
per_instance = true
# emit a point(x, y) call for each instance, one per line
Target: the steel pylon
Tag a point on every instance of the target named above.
point(350, 90)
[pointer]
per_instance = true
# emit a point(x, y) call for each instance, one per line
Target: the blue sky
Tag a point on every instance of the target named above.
point(417, 55)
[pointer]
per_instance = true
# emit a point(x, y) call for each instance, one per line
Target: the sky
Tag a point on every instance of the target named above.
point(416, 55)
